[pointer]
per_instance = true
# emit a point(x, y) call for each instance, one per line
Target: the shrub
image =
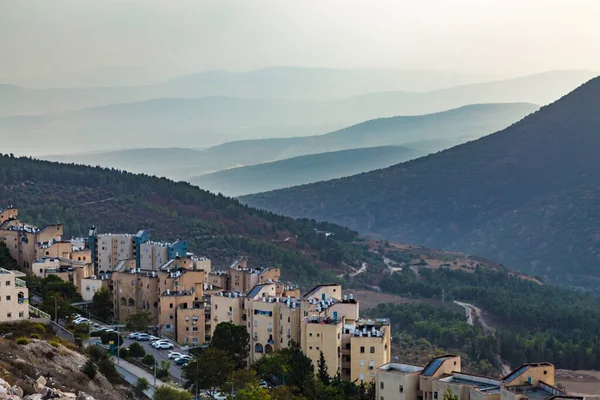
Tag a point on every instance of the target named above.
point(22, 341)
point(136, 350)
point(34, 336)
point(123, 352)
point(54, 343)
point(108, 369)
point(148, 360)
point(89, 369)
point(96, 353)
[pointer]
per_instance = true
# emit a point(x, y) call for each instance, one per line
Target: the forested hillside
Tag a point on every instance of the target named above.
point(216, 226)
point(524, 196)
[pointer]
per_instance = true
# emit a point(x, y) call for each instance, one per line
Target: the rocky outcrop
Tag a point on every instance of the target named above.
point(27, 388)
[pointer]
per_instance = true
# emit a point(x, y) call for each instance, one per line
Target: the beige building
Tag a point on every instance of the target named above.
point(396, 381)
point(438, 367)
point(153, 255)
point(467, 387)
point(89, 286)
point(111, 249)
point(14, 296)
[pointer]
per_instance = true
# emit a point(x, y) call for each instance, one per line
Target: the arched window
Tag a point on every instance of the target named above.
point(123, 301)
point(131, 302)
point(21, 297)
point(268, 349)
point(258, 348)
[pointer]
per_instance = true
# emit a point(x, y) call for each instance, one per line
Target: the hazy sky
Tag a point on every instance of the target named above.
point(41, 38)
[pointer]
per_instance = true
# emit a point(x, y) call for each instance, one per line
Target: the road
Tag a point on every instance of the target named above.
point(473, 312)
point(159, 355)
point(362, 269)
point(390, 264)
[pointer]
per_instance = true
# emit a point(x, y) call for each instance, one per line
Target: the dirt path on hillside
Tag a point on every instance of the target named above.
point(580, 383)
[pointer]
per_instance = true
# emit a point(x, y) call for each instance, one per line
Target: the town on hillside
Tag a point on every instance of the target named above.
point(186, 300)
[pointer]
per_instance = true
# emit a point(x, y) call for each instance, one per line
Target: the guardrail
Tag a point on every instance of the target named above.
point(39, 313)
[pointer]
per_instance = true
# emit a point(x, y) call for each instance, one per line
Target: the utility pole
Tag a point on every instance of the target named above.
point(89, 323)
point(155, 372)
point(196, 380)
point(118, 346)
point(55, 310)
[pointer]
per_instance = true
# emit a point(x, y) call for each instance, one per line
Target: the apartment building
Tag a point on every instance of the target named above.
point(89, 286)
point(396, 381)
point(66, 269)
point(14, 296)
point(182, 311)
point(24, 241)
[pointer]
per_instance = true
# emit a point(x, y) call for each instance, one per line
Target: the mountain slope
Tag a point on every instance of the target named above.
point(433, 132)
point(493, 188)
point(464, 123)
point(301, 170)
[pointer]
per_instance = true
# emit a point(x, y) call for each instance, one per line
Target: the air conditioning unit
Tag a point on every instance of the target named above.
point(229, 313)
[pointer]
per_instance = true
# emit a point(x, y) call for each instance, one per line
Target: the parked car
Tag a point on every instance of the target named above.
point(164, 345)
point(174, 355)
point(153, 338)
point(134, 335)
point(264, 384)
point(183, 359)
point(156, 343)
point(81, 321)
point(143, 337)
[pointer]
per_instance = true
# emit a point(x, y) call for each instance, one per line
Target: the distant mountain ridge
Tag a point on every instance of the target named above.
point(434, 132)
point(301, 170)
point(525, 196)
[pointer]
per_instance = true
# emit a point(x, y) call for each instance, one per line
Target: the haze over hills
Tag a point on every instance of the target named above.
point(208, 121)
point(525, 196)
point(301, 170)
point(276, 82)
point(432, 132)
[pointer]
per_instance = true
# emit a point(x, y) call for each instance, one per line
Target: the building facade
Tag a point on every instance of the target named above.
point(14, 296)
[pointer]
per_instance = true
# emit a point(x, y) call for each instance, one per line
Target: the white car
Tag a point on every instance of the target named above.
point(164, 345)
point(156, 343)
point(153, 338)
point(81, 321)
point(134, 335)
point(174, 355)
point(143, 337)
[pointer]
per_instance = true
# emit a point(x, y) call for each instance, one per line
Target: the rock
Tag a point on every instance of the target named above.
point(36, 396)
point(71, 396)
point(84, 396)
point(16, 390)
point(41, 381)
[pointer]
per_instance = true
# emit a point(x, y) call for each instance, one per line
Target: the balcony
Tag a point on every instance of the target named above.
point(271, 341)
point(20, 282)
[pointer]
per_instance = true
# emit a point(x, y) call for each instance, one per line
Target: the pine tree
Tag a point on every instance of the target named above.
point(322, 373)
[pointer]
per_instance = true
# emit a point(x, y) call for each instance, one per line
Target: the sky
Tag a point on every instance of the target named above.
point(53, 42)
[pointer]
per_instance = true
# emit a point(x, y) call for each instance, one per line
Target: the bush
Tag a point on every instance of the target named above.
point(89, 369)
point(123, 352)
point(22, 341)
point(54, 343)
point(96, 353)
point(136, 350)
point(148, 360)
point(107, 368)
point(34, 336)
point(142, 385)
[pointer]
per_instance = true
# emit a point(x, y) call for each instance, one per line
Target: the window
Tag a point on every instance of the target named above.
point(195, 340)
point(187, 329)
point(7, 283)
point(9, 315)
point(372, 349)
point(21, 314)
point(310, 334)
point(41, 271)
point(170, 305)
point(318, 334)
point(171, 316)
point(318, 348)
point(380, 385)
point(7, 298)
point(545, 372)
point(401, 388)
point(381, 398)
point(362, 349)
point(255, 324)
point(310, 348)
point(371, 364)
point(288, 319)
point(362, 377)
point(435, 395)
point(230, 309)
point(362, 363)
point(195, 329)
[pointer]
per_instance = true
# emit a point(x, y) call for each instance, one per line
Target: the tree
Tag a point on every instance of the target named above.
point(148, 360)
point(89, 369)
point(322, 373)
point(241, 379)
point(163, 371)
point(142, 385)
point(209, 370)
point(448, 395)
point(235, 340)
point(136, 350)
point(169, 393)
point(139, 321)
point(107, 367)
point(253, 392)
point(101, 304)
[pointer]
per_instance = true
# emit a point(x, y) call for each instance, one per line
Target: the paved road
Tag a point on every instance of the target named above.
point(159, 355)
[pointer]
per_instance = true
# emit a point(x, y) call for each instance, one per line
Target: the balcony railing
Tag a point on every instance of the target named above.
point(20, 282)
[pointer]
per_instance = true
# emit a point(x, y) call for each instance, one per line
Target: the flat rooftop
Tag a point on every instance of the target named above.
point(481, 384)
point(401, 368)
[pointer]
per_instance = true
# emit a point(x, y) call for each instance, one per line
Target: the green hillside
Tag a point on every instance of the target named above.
point(523, 196)
point(301, 170)
point(216, 226)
